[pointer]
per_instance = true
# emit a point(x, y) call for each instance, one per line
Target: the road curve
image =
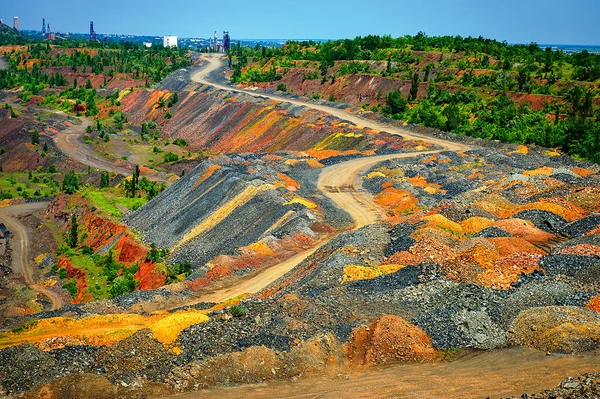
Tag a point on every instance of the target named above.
point(20, 255)
point(341, 183)
point(69, 142)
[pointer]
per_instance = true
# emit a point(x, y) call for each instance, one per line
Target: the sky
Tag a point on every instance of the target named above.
point(516, 21)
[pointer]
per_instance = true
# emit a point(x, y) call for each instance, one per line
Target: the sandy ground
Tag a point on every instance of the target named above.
point(500, 373)
point(19, 243)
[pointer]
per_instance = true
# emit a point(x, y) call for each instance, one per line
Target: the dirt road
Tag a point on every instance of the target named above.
point(69, 141)
point(495, 374)
point(214, 63)
point(341, 183)
point(19, 243)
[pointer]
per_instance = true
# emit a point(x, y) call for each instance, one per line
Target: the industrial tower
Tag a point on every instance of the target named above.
point(16, 23)
point(92, 33)
point(226, 41)
point(43, 26)
point(215, 42)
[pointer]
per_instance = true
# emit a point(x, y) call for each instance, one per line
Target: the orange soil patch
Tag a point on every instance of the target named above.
point(509, 245)
point(390, 338)
point(545, 170)
point(524, 229)
point(430, 249)
point(288, 182)
point(503, 208)
point(583, 171)
point(400, 201)
point(594, 303)
point(322, 227)
point(507, 270)
point(207, 173)
point(418, 181)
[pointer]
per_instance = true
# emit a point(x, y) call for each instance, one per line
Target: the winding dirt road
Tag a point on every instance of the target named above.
point(341, 183)
point(19, 242)
point(69, 141)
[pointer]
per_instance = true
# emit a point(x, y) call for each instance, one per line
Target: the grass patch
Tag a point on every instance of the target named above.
point(25, 185)
point(112, 200)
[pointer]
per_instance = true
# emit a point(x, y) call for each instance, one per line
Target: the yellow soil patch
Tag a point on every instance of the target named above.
point(375, 174)
point(552, 153)
point(544, 170)
point(313, 163)
point(475, 224)
point(430, 190)
point(444, 223)
point(220, 215)
point(259, 248)
point(100, 330)
point(303, 201)
point(354, 272)
point(522, 150)
point(168, 329)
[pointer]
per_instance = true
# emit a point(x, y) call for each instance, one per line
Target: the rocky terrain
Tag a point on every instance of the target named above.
point(493, 247)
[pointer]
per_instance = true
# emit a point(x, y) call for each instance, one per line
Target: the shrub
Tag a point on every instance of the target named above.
point(281, 87)
point(237, 311)
point(71, 286)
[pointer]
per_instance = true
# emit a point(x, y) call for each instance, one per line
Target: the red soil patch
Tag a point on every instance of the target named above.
point(581, 249)
point(100, 231)
point(390, 338)
point(404, 258)
point(79, 276)
point(129, 250)
point(149, 277)
point(322, 227)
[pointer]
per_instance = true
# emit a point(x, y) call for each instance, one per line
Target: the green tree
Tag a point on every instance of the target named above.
point(414, 88)
point(71, 183)
point(45, 149)
point(396, 104)
point(35, 137)
point(104, 180)
point(453, 117)
point(73, 233)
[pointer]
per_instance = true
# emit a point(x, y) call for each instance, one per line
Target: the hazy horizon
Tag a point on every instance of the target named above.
point(547, 22)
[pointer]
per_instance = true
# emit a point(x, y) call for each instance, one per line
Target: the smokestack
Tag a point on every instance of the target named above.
point(16, 23)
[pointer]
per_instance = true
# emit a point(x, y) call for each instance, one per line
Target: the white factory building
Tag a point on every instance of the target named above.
point(170, 41)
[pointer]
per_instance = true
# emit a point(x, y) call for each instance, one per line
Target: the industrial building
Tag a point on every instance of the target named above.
point(170, 41)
